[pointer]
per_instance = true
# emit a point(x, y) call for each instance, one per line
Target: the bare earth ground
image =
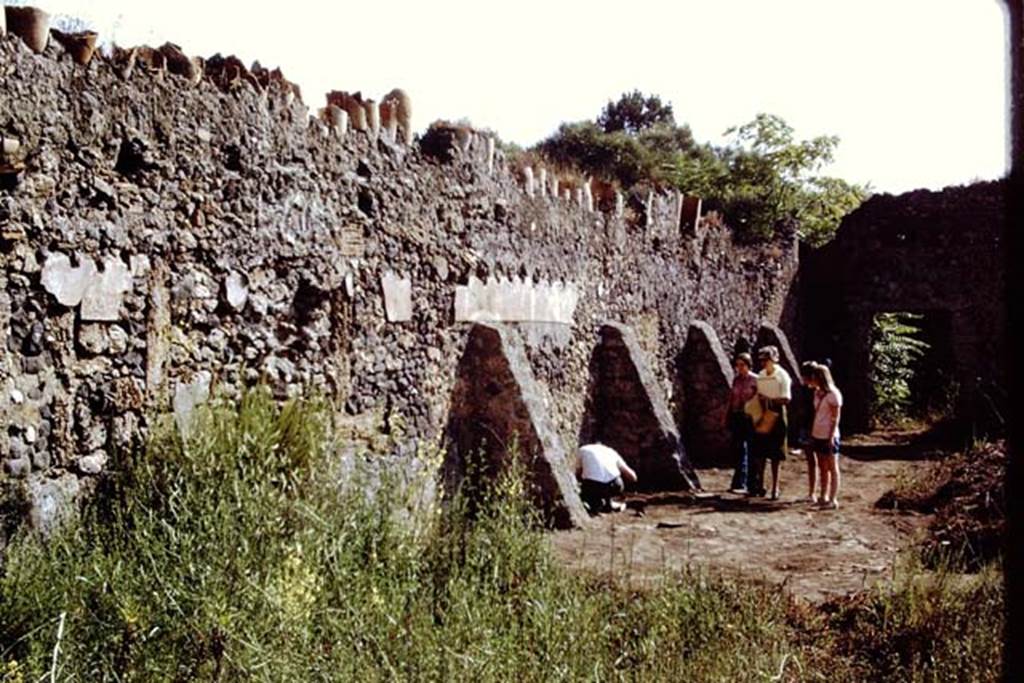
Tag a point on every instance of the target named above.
point(815, 554)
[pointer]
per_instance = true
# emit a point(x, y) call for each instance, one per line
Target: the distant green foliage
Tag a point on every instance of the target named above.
point(764, 180)
point(895, 350)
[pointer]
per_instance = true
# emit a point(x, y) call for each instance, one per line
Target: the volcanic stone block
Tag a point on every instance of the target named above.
point(626, 410)
point(498, 412)
point(705, 379)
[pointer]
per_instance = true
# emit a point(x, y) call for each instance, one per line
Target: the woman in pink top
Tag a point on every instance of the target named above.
point(828, 403)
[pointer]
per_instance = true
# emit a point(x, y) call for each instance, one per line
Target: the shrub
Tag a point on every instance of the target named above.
point(895, 351)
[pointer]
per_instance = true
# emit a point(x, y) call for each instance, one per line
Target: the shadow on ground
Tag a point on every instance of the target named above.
point(910, 444)
point(639, 505)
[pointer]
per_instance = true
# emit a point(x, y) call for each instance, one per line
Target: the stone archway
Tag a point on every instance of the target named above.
point(626, 411)
point(497, 410)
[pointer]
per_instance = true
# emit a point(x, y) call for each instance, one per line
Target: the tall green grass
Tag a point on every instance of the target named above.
point(250, 553)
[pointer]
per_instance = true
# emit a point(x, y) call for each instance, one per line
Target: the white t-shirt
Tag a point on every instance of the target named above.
point(825, 405)
point(600, 463)
point(776, 385)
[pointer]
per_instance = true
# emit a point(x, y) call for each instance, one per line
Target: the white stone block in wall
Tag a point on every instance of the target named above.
point(588, 196)
point(140, 265)
point(500, 300)
point(397, 297)
point(463, 305)
point(372, 118)
point(489, 298)
point(490, 154)
point(542, 181)
point(528, 180)
point(66, 283)
point(521, 299)
point(236, 293)
point(9, 145)
point(541, 306)
point(187, 397)
point(102, 299)
point(338, 120)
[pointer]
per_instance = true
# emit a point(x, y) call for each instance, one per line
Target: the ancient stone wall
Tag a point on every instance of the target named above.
point(933, 253)
point(165, 236)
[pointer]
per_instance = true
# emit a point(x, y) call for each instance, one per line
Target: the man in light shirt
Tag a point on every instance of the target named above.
point(601, 470)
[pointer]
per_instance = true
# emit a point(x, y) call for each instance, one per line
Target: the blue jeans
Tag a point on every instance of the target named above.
point(740, 430)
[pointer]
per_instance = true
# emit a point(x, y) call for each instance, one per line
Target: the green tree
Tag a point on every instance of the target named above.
point(764, 180)
point(633, 140)
point(772, 181)
point(633, 112)
point(608, 155)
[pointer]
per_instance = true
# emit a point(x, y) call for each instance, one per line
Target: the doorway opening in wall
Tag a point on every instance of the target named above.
point(913, 369)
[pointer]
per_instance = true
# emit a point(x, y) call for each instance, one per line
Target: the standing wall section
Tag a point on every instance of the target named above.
point(162, 239)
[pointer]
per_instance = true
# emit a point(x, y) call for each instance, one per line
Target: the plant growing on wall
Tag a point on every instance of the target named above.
point(895, 351)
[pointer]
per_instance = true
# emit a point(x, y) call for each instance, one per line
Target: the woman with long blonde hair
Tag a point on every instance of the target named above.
point(828, 404)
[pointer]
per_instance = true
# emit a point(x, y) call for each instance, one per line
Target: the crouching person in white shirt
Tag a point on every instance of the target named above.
point(601, 470)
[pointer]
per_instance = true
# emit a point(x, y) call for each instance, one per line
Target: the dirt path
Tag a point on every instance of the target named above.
point(813, 553)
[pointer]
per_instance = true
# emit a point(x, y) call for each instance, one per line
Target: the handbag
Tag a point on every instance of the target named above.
point(765, 425)
point(753, 408)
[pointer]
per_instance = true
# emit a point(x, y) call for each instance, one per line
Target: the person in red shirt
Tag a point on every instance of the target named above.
point(738, 422)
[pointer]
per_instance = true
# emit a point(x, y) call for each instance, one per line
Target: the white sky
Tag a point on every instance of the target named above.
point(916, 89)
